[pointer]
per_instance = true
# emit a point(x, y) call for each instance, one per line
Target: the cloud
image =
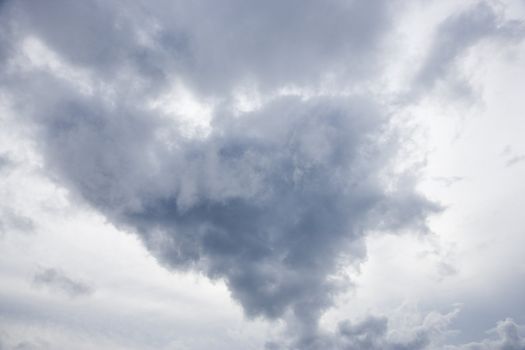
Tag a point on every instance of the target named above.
point(24, 345)
point(456, 35)
point(511, 157)
point(57, 280)
point(509, 337)
point(271, 201)
point(376, 333)
point(272, 44)
point(11, 220)
point(431, 333)
point(274, 200)
point(5, 162)
point(514, 160)
point(28, 346)
point(448, 181)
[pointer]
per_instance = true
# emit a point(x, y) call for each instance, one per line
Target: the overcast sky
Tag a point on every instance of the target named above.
point(279, 175)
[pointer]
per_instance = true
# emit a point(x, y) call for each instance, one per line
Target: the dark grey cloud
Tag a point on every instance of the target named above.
point(278, 43)
point(56, 279)
point(273, 201)
point(456, 35)
point(270, 201)
point(212, 46)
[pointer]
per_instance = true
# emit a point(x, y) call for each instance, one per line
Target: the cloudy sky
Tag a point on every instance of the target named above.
point(279, 175)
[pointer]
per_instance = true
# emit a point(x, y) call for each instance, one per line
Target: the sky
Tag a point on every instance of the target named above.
point(274, 175)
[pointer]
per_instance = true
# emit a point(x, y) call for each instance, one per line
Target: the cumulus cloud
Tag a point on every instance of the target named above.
point(273, 200)
point(56, 279)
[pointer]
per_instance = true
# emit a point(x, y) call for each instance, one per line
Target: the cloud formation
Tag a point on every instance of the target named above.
point(271, 45)
point(5, 162)
point(273, 200)
point(456, 35)
point(509, 336)
point(58, 280)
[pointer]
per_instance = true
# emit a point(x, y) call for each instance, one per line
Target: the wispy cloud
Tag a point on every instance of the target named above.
point(57, 280)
